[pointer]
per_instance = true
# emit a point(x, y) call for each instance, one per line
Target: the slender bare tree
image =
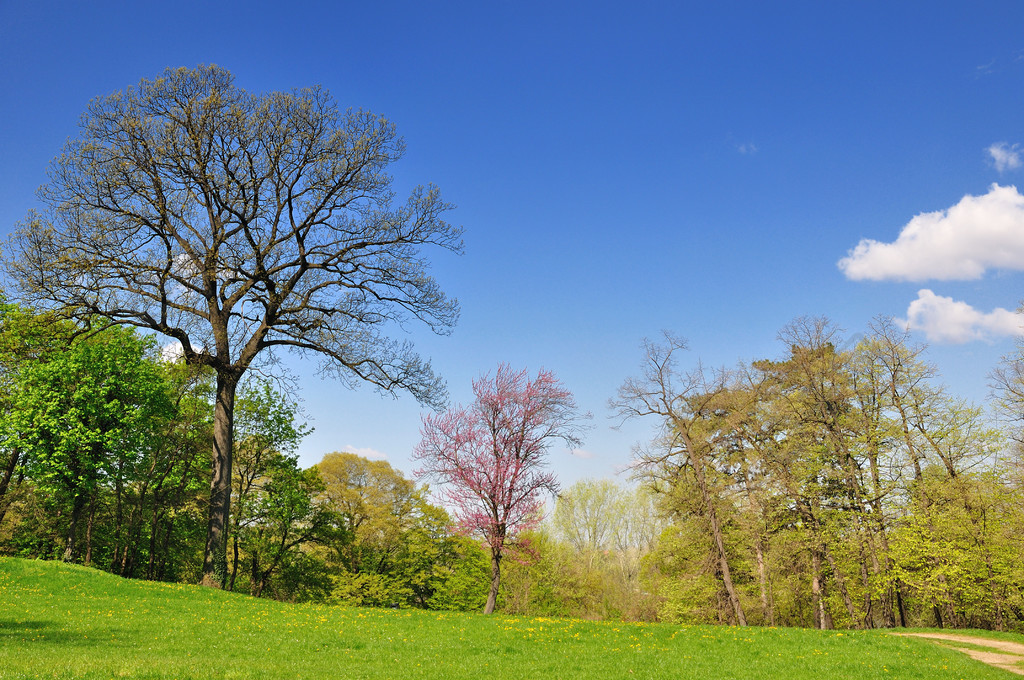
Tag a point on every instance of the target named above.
point(685, 405)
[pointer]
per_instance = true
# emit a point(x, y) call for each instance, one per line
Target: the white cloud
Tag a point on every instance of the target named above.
point(943, 319)
point(172, 352)
point(978, 233)
point(1004, 156)
point(747, 149)
point(582, 453)
point(371, 454)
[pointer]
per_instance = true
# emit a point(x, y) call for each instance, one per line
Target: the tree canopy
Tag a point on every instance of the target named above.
point(236, 224)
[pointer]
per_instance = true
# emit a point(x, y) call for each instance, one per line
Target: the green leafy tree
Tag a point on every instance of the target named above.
point(84, 418)
point(24, 337)
point(392, 547)
point(267, 437)
point(283, 516)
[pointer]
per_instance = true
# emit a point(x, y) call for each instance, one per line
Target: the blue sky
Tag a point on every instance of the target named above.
point(619, 169)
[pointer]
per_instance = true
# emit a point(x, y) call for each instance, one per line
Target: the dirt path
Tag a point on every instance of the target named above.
point(1008, 656)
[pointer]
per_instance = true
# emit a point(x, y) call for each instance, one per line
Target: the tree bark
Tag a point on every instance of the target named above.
point(88, 531)
point(5, 481)
point(234, 562)
point(215, 559)
point(77, 505)
point(822, 616)
point(492, 596)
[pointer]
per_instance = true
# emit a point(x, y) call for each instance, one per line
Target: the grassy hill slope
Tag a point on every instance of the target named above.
point(65, 621)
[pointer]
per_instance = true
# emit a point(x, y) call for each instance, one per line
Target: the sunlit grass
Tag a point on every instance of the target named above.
point(60, 621)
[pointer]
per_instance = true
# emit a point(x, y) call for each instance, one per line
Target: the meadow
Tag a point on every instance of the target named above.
point(67, 621)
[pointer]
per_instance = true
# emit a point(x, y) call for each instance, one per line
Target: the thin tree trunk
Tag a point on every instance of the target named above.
point(254, 573)
point(822, 616)
point(234, 562)
point(88, 530)
point(150, 564)
point(762, 579)
point(716, 531)
point(492, 595)
point(899, 604)
point(767, 610)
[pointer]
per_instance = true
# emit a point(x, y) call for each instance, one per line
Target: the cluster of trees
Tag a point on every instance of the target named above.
point(104, 448)
point(831, 488)
point(238, 225)
point(106, 451)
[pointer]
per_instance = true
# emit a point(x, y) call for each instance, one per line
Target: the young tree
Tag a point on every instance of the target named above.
point(491, 455)
point(237, 224)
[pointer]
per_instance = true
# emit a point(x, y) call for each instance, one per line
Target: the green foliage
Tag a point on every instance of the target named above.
point(99, 433)
point(87, 417)
point(545, 577)
point(459, 580)
point(275, 508)
point(389, 546)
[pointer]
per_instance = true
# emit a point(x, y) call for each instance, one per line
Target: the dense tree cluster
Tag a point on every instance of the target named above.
point(831, 488)
point(237, 225)
point(106, 448)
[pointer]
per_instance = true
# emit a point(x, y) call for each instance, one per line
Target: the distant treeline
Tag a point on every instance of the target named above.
point(833, 487)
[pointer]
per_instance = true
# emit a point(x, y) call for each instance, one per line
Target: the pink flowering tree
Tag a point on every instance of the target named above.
point(491, 456)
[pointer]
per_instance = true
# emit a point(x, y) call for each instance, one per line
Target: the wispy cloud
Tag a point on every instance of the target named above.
point(943, 319)
point(369, 453)
point(998, 64)
point(747, 149)
point(582, 453)
point(1005, 156)
point(985, 69)
point(963, 242)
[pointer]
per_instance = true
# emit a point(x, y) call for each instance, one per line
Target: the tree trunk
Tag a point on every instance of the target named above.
point(822, 616)
point(234, 561)
point(77, 505)
point(716, 531)
point(768, 612)
point(492, 596)
point(153, 528)
point(726, 574)
point(215, 559)
point(5, 481)
point(88, 530)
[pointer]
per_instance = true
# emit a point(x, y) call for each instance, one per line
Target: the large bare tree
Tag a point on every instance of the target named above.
point(237, 223)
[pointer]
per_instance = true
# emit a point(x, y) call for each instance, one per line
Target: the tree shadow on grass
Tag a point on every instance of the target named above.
point(12, 631)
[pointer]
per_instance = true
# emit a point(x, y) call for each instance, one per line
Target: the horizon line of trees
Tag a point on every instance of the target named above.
point(833, 488)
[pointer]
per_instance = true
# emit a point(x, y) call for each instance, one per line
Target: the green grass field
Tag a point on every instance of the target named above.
point(61, 621)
